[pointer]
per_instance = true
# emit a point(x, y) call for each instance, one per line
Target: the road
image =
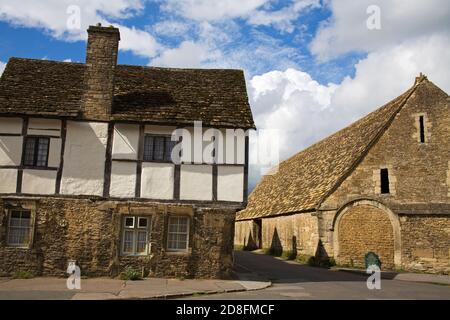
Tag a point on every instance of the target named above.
point(294, 281)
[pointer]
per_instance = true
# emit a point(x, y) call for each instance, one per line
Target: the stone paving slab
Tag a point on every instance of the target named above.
point(109, 289)
point(430, 278)
point(413, 277)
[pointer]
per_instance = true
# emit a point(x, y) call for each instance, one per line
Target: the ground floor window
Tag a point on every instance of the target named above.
point(135, 235)
point(178, 233)
point(19, 228)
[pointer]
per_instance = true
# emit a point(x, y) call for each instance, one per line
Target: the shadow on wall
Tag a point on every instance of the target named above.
point(250, 244)
point(276, 248)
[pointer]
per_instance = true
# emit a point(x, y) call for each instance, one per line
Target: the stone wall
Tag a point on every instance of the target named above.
point(90, 231)
point(244, 233)
point(101, 60)
point(297, 232)
point(417, 171)
point(364, 229)
point(425, 243)
point(418, 181)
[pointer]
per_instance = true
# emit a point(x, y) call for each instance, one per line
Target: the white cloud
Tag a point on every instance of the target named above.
point(401, 21)
point(171, 28)
point(255, 12)
point(53, 16)
point(139, 42)
point(283, 18)
point(188, 54)
point(305, 111)
point(207, 10)
point(2, 67)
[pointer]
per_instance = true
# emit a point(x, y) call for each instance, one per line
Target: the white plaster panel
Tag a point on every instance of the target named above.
point(10, 150)
point(39, 181)
point(230, 183)
point(196, 182)
point(231, 150)
point(84, 158)
point(235, 146)
point(54, 153)
point(11, 125)
point(125, 142)
point(157, 180)
point(8, 177)
point(46, 127)
point(152, 129)
point(123, 179)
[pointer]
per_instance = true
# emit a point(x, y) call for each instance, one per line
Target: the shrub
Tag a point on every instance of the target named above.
point(312, 261)
point(289, 255)
point(302, 258)
point(23, 275)
point(130, 274)
point(327, 263)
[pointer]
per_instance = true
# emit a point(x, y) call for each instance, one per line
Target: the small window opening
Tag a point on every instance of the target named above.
point(384, 175)
point(422, 129)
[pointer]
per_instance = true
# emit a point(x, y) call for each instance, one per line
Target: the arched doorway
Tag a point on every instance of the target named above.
point(366, 226)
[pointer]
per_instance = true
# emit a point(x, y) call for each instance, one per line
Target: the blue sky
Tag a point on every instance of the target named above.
point(34, 40)
point(312, 66)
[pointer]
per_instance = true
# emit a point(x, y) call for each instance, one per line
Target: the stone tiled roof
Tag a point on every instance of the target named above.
point(41, 87)
point(159, 95)
point(307, 178)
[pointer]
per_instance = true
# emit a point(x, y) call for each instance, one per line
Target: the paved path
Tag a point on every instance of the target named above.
point(294, 281)
point(108, 289)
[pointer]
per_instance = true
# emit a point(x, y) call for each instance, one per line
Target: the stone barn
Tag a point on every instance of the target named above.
point(380, 185)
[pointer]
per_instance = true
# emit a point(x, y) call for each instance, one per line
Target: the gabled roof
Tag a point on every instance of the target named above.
point(160, 95)
point(307, 178)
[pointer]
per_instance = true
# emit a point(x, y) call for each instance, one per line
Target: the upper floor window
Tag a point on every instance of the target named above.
point(19, 228)
point(422, 129)
point(178, 233)
point(135, 235)
point(36, 151)
point(158, 148)
point(384, 177)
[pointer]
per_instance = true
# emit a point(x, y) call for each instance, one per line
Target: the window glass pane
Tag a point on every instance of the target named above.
point(148, 148)
point(141, 242)
point(25, 214)
point(142, 222)
point(19, 228)
point(169, 147)
point(29, 151)
point(182, 227)
point(128, 239)
point(41, 160)
point(129, 222)
point(159, 148)
point(178, 233)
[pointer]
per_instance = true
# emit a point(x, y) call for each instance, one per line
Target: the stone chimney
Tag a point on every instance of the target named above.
point(101, 61)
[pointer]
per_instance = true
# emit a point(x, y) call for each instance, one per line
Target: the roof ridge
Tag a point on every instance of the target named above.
point(179, 69)
point(45, 60)
point(374, 140)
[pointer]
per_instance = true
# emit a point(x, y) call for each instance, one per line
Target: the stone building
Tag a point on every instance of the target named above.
point(380, 185)
point(87, 171)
